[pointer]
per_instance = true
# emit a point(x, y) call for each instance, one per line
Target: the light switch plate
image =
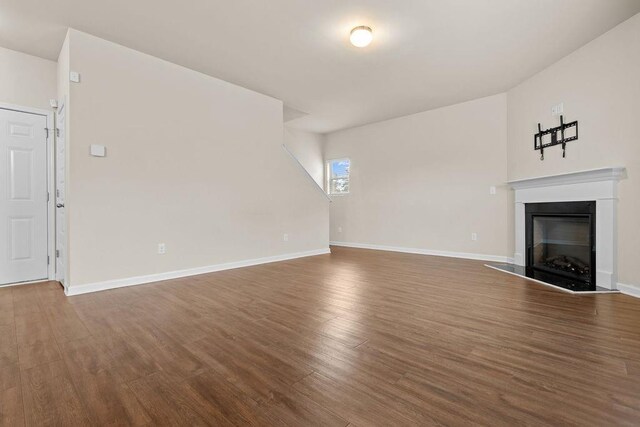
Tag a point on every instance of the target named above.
point(98, 150)
point(74, 76)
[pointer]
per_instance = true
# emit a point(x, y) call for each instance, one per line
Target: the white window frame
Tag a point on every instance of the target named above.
point(329, 179)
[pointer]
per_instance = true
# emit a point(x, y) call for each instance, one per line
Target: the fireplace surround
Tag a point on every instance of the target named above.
point(599, 187)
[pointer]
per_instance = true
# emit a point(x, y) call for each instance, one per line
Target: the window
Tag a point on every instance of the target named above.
point(338, 176)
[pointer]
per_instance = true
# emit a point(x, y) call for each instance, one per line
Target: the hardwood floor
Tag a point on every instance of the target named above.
point(353, 338)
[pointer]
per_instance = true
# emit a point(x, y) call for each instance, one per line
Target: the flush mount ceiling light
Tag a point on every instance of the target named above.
point(361, 36)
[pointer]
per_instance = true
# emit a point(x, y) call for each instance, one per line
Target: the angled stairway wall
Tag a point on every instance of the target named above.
point(192, 161)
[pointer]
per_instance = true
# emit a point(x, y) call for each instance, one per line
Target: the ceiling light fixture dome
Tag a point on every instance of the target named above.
point(361, 36)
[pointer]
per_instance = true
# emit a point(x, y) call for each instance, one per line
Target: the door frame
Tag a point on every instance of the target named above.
point(51, 211)
point(59, 276)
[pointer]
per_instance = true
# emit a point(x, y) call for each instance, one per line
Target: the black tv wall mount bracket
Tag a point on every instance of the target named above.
point(558, 135)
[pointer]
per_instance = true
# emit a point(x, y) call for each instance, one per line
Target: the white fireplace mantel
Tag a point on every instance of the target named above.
point(600, 185)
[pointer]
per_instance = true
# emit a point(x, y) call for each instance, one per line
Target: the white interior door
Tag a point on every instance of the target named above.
point(61, 224)
point(23, 197)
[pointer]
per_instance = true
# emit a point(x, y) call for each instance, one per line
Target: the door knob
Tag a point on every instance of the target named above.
point(60, 205)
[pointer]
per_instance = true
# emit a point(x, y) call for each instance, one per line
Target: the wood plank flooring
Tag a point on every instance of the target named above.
point(353, 338)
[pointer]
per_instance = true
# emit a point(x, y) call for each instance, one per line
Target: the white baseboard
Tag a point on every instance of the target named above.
point(632, 290)
point(465, 255)
point(605, 279)
point(140, 280)
point(31, 282)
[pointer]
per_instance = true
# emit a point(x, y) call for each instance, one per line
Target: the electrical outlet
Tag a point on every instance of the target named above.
point(285, 237)
point(339, 229)
point(474, 236)
point(492, 190)
point(162, 248)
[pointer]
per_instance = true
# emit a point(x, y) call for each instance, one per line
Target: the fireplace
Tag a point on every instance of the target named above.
point(585, 195)
point(560, 243)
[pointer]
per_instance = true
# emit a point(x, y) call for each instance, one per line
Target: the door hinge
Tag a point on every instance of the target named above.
point(47, 131)
point(58, 132)
point(57, 253)
point(47, 259)
point(48, 197)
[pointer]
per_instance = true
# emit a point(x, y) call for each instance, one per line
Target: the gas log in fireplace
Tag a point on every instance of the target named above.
point(560, 242)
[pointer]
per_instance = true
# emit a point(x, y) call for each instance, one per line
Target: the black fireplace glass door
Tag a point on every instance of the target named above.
point(562, 245)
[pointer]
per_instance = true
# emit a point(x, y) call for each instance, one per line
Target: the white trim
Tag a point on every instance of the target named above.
point(591, 175)
point(31, 282)
point(295, 159)
point(140, 280)
point(60, 276)
point(23, 109)
point(631, 290)
point(464, 255)
point(51, 185)
point(327, 172)
point(569, 291)
point(51, 188)
point(599, 185)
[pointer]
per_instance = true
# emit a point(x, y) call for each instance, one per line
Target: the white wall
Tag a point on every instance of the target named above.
point(26, 80)
point(192, 161)
point(599, 85)
point(307, 147)
point(422, 181)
